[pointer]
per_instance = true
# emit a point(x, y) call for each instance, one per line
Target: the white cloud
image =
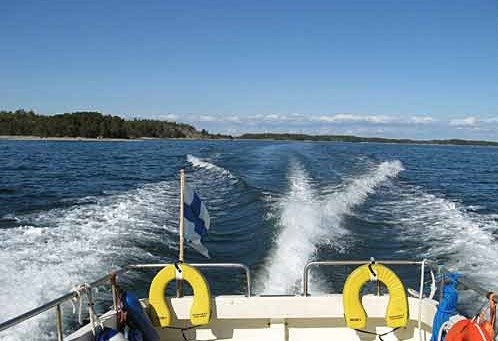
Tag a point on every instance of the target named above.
point(352, 118)
point(170, 117)
point(422, 119)
point(297, 119)
point(470, 121)
point(409, 126)
point(491, 120)
point(278, 117)
point(208, 118)
point(234, 119)
point(274, 117)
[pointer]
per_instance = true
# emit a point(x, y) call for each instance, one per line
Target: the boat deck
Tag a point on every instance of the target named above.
point(279, 318)
point(286, 318)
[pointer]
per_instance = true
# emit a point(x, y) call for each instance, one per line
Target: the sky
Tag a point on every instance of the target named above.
point(393, 68)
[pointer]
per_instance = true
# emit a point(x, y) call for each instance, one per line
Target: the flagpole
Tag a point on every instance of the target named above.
point(179, 282)
point(182, 189)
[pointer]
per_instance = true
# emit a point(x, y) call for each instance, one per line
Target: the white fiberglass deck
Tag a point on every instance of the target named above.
point(288, 318)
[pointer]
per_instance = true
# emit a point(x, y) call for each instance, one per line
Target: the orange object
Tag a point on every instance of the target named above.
point(470, 330)
point(489, 325)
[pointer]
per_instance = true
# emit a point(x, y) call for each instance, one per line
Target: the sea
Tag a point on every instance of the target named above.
point(72, 211)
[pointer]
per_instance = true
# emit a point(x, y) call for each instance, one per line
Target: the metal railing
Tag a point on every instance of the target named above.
point(349, 262)
point(463, 282)
point(109, 278)
point(56, 303)
point(371, 261)
point(424, 264)
point(206, 266)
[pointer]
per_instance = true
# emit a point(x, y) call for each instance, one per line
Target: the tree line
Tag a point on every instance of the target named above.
point(352, 138)
point(90, 124)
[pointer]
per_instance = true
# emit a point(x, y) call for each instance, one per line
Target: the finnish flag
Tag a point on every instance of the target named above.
point(196, 220)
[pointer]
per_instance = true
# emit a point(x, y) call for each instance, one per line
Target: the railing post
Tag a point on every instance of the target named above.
point(60, 329)
point(229, 265)
point(248, 280)
point(420, 296)
point(305, 279)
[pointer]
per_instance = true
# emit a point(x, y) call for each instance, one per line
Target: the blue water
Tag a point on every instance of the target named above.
point(72, 211)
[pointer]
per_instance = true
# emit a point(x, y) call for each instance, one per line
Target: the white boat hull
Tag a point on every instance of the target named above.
point(287, 318)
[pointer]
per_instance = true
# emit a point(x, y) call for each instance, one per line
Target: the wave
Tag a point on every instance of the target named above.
point(54, 250)
point(449, 232)
point(356, 191)
point(299, 220)
point(307, 220)
point(199, 163)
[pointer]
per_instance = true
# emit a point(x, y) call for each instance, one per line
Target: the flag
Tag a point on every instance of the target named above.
point(196, 220)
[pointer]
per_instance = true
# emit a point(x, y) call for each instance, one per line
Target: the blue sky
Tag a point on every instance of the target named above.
point(417, 69)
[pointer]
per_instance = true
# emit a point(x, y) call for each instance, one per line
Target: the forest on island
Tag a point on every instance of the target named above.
point(93, 125)
point(359, 139)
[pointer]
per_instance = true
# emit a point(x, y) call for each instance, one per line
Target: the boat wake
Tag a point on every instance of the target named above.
point(300, 229)
point(449, 232)
point(307, 220)
point(199, 163)
point(51, 251)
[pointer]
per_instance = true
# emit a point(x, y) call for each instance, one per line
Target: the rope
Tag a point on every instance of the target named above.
point(77, 299)
point(94, 318)
point(480, 313)
point(379, 335)
point(373, 275)
point(492, 310)
point(121, 313)
point(183, 330)
point(433, 285)
point(177, 266)
point(441, 330)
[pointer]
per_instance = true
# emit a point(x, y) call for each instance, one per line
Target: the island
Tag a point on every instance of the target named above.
point(358, 139)
point(95, 125)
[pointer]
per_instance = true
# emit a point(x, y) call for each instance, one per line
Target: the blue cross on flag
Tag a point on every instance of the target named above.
point(196, 220)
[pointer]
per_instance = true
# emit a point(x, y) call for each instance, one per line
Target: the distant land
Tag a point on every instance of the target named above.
point(95, 125)
point(351, 138)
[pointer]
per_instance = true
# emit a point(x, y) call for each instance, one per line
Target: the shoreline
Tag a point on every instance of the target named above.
point(107, 139)
point(89, 139)
point(374, 142)
point(54, 138)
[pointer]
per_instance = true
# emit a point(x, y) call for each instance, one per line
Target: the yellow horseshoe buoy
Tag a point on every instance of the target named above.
point(397, 308)
point(200, 312)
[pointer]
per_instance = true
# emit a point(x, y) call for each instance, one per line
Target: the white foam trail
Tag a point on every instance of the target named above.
point(308, 220)
point(339, 203)
point(198, 163)
point(60, 248)
point(300, 223)
point(448, 231)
